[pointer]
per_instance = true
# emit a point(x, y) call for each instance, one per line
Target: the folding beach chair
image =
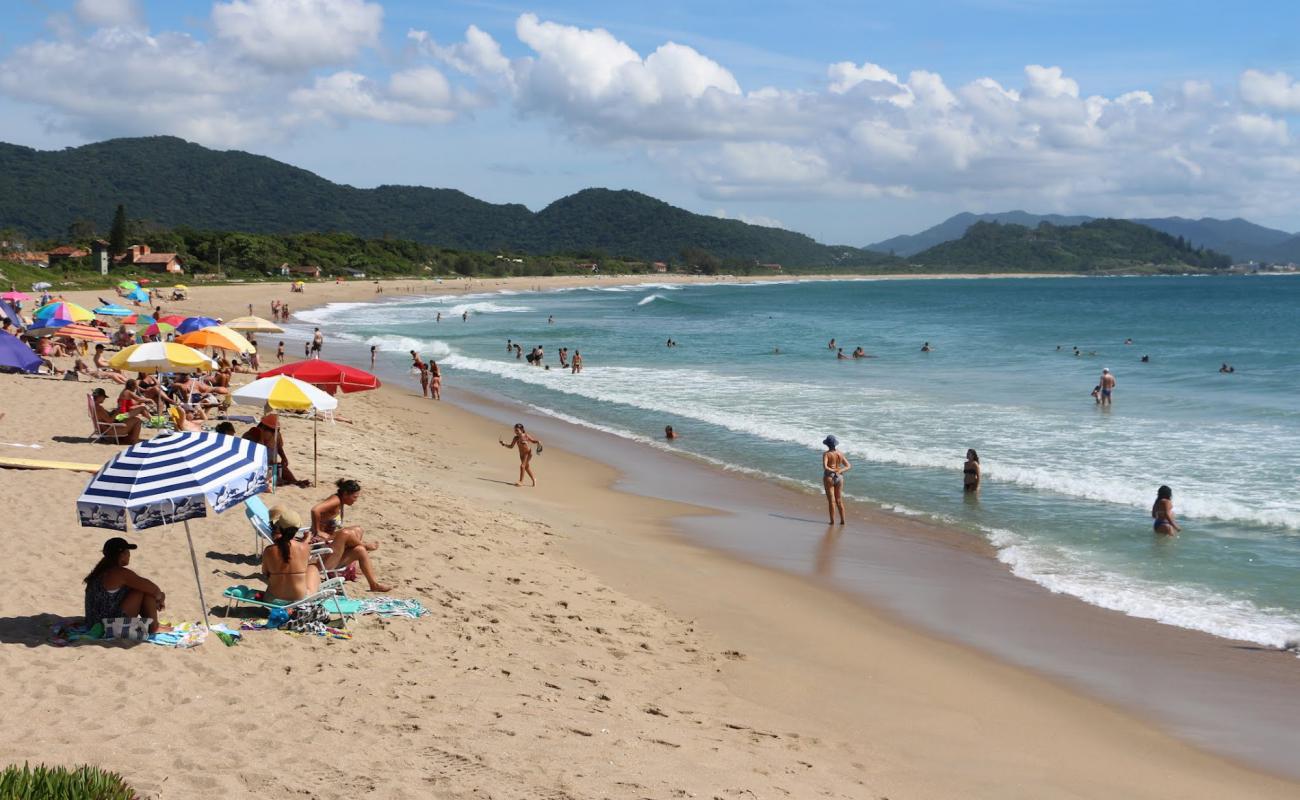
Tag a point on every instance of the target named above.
point(97, 432)
point(328, 596)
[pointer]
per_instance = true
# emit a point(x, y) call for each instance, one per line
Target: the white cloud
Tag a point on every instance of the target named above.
point(298, 34)
point(1274, 91)
point(416, 96)
point(750, 219)
point(479, 55)
point(107, 13)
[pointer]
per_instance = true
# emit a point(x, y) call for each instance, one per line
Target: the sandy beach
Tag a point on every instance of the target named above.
point(578, 646)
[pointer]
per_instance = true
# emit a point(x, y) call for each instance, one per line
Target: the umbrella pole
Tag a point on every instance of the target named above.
point(197, 580)
point(315, 472)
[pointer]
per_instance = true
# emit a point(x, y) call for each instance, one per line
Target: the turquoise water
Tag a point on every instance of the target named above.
point(1068, 486)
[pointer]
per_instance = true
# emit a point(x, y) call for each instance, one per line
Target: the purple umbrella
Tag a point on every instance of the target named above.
point(191, 324)
point(16, 355)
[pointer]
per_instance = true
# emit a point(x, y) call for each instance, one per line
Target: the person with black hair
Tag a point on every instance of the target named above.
point(970, 472)
point(226, 428)
point(834, 465)
point(347, 543)
point(1162, 511)
point(524, 441)
point(286, 564)
point(113, 590)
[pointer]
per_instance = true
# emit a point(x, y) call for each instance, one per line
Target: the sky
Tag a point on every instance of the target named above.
point(848, 121)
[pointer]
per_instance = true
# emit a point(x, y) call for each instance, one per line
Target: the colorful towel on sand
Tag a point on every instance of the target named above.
point(316, 629)
point(390, 607)
point(66, 632)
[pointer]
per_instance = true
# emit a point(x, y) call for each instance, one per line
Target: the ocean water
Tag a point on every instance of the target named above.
point(1068, 486)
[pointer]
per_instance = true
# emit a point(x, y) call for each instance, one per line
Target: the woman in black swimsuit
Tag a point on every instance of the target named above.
point(970, 473)
point(1162, 511)
point(113, 590)
point(834, 465)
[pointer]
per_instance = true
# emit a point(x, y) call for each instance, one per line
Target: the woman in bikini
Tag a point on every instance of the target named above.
point(970, 472)
point(435, 380)
point(347, 544)
point(286, 565)
point(834, 465)
point(113, 590)
point(1162, 511)
point(524, 441)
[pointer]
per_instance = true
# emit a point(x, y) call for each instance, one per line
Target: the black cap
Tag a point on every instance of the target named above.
point(99, 392)
point(116, 545)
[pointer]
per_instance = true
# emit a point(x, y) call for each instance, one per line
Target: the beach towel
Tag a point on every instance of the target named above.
point(316, 630)
point(390, 607)
point(72, 631)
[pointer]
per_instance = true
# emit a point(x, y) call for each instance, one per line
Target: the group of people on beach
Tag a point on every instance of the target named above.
point(429, 372)
point(537, 356)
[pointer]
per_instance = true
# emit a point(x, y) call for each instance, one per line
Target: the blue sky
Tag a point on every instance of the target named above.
point(847, 121)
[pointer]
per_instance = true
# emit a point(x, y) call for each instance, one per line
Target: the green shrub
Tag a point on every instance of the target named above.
point(61, 783)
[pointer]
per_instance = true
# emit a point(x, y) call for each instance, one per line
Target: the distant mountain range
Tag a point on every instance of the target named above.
point(172, 183)
point(1239, 238)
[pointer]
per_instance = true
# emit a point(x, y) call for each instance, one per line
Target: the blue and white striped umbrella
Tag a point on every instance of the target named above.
point(166, 479)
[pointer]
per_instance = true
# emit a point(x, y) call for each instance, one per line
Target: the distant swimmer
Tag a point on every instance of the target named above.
point(438, 318)
point(925, 348)
point(970, 472)
point(519, 351)
point(1162, 512)
point(1128, 341)
point(834, 465)
point(859, 353)
point(564, 358)
point(1107, 386)
point(1227, 368)
point(577, 361)
point(550, 320)
point(1146, 359)
point(831, 345)
point(669, 433)
point(510, 346)
point(776, 351)
point(374, 349)
point(839, 354)
point(464, 315)
point(524, 442)
point(1096, 394)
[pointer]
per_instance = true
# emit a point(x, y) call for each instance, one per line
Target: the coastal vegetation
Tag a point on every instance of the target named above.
point(61, 783)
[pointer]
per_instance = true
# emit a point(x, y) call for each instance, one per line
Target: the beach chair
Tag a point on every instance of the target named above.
point(329, 596)
point(97, 432)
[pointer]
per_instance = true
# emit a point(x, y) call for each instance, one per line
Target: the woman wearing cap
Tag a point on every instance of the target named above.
point(113, 590)
point(834, 465)
point(286, 564)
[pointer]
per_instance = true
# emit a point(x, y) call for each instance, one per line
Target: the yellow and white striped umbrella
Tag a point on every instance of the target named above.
point(283, 392)
point(218, 336)
point(254, 324)
point(161, 357)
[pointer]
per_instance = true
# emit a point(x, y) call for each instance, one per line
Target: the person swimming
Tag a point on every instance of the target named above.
point(669, 433)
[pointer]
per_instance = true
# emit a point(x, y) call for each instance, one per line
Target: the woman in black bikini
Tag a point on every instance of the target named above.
point(834, 465)
point(970, 473)
point(1162, 511)
point(113, 590)
point(286, 565)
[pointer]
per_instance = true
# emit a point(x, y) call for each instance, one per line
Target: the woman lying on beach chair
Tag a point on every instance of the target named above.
point(347, 544)
point(287, 565)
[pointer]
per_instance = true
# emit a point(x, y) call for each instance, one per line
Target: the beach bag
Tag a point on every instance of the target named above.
point(133, 629)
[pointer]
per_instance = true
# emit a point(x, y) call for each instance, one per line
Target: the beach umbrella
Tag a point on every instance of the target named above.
point(39, 285)
point(158, 329)
point(16, 355)
point(180, 286)
point(284, 393)
point(218, 336)
point(138, 319)
point(254, 325)
point(161, 357)
point(72, 330)
point(327, 375)
point(190, 324)
point(173, 320)
point(15, 296)
point(138, 295)
point(113, 310)
point(167, 479)
point(128, 285)
point(7, 311)
point(62, 310)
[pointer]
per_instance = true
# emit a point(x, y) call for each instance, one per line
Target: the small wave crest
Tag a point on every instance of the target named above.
point(649, 299)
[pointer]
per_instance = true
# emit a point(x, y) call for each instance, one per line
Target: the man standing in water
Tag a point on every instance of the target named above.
point(317, 339)
point(1107, 386)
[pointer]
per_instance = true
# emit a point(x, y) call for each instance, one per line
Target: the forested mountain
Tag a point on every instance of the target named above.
point(1103, 244)
point(174, 183)
point(1240, 239)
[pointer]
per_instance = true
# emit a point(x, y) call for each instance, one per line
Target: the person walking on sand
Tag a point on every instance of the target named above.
point(279, 353)
point(834, 465)
point(1107, 384)
point(524, 441)
point(1162, 512)
point(970, 472)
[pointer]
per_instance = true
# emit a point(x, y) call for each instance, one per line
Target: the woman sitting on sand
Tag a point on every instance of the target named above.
point(524, 441)
point(114, 591)
point(347, 544)
point(286, 564)
point(970, 472)
point(1162, 511)
point(834, 465)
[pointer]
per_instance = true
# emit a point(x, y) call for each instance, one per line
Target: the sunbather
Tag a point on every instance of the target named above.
point(286, 565)
point(113, 590)
point(119, 431)
point(82, 368)
point(327, 525)
point(132, 403)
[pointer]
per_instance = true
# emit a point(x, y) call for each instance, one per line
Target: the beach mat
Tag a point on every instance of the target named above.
point(36, 463)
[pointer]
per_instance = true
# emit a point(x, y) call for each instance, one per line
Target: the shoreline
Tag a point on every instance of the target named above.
point(1162, 689)
point(937, 718)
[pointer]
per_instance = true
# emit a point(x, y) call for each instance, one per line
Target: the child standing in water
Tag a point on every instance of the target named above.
point(834, 465)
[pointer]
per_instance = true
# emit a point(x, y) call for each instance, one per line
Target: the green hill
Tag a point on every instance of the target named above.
point(1099, 245)
point(173, 183)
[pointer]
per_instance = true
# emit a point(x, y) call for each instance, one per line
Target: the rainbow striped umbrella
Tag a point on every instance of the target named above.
point(72, 330)
point(62, 310)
